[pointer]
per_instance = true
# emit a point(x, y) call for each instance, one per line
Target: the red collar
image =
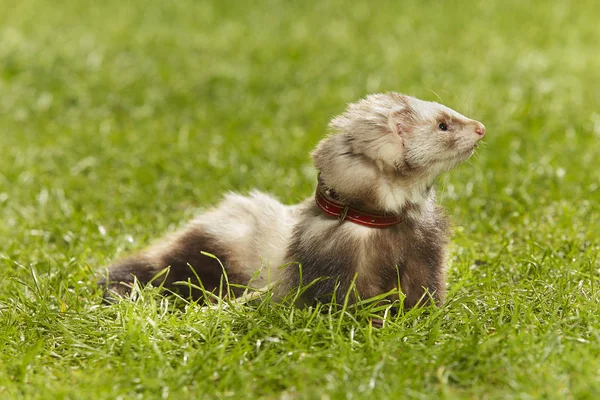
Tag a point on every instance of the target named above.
point(347, 213)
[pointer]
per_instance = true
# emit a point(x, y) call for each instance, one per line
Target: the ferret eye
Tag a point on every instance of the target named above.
point(443, 126)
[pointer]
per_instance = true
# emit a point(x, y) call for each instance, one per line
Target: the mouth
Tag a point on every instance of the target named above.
point(467, 152)
point(459, 156)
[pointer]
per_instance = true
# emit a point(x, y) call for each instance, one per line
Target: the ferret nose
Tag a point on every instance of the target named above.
point(480, 129)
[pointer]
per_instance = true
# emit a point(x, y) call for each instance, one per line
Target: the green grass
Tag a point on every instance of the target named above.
point(120, 119)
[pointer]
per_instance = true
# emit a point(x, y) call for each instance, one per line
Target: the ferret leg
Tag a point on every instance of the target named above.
point(421, 288)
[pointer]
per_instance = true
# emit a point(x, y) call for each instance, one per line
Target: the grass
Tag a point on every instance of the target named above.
point(121, 119)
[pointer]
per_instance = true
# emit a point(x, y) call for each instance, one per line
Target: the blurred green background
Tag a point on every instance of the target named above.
point(119, 119)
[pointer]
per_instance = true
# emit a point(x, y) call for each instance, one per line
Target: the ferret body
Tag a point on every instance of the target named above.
point(381, 157)
point(247, 234)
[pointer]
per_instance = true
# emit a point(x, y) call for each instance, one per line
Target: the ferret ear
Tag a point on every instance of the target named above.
point(401, 119)
point(399, 128)
point(322, 153)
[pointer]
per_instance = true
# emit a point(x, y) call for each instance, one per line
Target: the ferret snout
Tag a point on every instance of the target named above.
point(480, 129)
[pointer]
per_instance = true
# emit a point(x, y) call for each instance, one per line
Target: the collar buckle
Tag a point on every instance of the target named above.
point(343, 214)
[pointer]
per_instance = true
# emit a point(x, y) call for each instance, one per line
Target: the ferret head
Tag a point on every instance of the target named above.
point(408, 135)
point(396, 137)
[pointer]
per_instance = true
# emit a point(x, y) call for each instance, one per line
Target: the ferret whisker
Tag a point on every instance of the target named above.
point(437, 95)
point(455, 95)
point(469, 102)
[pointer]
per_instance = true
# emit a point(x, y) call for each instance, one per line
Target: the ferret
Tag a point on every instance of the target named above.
point(372, 227)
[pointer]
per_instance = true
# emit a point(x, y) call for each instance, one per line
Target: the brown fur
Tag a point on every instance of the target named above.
point(383, 155)
point(415, 249)
point(182, 256)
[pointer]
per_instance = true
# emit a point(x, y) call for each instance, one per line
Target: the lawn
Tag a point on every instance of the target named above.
point(121, 119)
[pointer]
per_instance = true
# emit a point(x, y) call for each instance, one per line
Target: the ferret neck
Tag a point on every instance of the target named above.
point(372, 191)
point(327, 201)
